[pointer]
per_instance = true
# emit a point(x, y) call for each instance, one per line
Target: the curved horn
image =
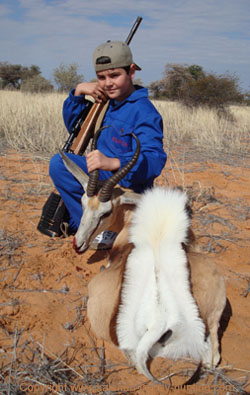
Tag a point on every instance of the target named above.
point(109, 184)
point(94, 175)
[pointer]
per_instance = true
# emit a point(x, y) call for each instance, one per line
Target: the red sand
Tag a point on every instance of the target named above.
point(53, 320)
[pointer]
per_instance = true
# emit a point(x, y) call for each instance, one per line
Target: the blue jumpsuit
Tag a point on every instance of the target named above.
point(135, 114)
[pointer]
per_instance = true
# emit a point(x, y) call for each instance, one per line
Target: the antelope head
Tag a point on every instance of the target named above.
point(100, 204)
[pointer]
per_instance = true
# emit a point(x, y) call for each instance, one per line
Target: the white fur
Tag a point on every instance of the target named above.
point(155, 293)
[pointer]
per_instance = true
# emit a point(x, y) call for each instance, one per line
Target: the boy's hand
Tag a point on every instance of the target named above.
point(96, 160)
point(93, 89)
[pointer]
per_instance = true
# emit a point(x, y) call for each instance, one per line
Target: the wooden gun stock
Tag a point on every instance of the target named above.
point(88, 127)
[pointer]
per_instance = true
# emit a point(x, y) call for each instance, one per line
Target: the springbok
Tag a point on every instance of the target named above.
point(158, 296)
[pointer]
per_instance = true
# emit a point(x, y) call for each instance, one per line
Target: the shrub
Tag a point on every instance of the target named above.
point(13, 75)
point(67, 77)
point(36, 84)
point(192, 86)
point(10, 75)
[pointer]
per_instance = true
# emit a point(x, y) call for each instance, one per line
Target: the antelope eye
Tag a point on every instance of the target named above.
point(106, 215)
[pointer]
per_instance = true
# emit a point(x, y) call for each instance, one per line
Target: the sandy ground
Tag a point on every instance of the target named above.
point(45, 336)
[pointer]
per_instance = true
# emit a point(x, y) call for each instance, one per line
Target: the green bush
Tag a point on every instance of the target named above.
point(192, 86)
point(13, 75)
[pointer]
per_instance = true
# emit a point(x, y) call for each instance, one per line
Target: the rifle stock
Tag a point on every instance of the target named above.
point(80, 143)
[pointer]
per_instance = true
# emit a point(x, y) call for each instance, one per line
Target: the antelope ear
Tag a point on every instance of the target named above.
point(73, 168)
point(130, 198)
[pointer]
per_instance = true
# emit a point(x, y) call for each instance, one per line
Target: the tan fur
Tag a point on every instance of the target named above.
point(119, 215)
point(104, 289)
point(94, 203)
point(114, 221)
point(104, 296)
point(207, 286)
point(123, 218)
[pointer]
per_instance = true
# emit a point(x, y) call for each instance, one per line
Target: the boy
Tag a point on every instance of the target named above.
point(129, 111)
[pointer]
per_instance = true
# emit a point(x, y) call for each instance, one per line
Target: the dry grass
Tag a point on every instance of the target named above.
point(205, 128)
point(34, 122)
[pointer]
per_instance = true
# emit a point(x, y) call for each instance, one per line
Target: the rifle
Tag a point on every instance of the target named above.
point(87, 130)
point(54, 212)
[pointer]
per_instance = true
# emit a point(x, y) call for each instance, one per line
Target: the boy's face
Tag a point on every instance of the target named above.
point(116, 83)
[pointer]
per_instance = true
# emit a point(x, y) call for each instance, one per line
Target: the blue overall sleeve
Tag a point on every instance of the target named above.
point(72, 107)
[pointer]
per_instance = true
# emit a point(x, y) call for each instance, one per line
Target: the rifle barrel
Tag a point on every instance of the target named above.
point(133, 30)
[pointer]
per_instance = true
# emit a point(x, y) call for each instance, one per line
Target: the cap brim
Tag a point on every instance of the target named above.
point(137, 67)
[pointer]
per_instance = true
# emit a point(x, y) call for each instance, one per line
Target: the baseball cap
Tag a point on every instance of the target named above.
point(111, 55)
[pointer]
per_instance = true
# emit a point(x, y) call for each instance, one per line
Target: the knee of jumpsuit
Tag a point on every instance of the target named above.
point(68, 187)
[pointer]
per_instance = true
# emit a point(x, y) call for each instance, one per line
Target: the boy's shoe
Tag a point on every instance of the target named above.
point(103, 241)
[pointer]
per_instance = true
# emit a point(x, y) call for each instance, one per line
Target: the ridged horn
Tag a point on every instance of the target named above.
point(107, 188)
point(94, 175)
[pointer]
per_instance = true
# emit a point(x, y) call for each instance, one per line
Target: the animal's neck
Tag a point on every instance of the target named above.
point(120, 217)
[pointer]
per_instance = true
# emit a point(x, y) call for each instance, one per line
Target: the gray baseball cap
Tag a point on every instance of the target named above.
point(111, 55)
